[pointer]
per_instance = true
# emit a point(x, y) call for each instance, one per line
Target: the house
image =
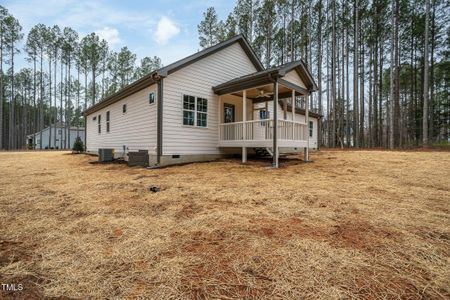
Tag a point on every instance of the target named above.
point(216, 102)
point(54, 137)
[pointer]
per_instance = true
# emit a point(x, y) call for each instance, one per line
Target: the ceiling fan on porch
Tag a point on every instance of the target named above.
point(264, 94)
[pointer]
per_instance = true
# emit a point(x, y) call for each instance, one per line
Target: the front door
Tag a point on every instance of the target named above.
point(228, 113)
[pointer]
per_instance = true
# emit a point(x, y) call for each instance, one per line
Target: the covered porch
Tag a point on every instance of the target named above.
point(263, 110)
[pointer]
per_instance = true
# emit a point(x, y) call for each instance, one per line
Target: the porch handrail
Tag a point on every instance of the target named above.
point(257, 121)
point(257, 130)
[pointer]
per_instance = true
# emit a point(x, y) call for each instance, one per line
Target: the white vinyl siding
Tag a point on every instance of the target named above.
point(135, 129)
point(197, 80)
point(293, 77)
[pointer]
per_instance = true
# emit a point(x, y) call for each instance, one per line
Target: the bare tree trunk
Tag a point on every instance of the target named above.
point(425, 77)
point(397, 112)
point(41, 103)
point(391, 87)
point(342, 100)
point(319, 71)
point(355, 74)
point(361, 98)
point(433, 44)
point(370, 137)
point(24, 114)
point(61, 99)
point(333, 74)
point(36, 111)
point(328, 95)
point(380, 93)
point(78, 102)
point(69, 104)
point(12, 121)
point(292, 29)
point(93, 84)
point(56, 105)
point(310, 64)
point(1, 85)
point(412, 121)
point(50, 102)
point(375, 96)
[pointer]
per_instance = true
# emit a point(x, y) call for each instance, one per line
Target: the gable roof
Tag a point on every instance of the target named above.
point(265, 77)
point(152, 77)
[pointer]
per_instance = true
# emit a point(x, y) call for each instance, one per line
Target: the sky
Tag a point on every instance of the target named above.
point(167, 29)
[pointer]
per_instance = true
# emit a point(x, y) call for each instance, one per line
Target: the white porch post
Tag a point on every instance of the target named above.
point(275, 125)
point(293, 114)
point(293, 105)
point(220, 111)
point(307, 130)
point(244, 125)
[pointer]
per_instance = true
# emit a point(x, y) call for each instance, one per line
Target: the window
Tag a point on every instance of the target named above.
point(107, 121)
point(195, 111)
point(202, 112)
point(124, 108)
point(311, 127)
point(99, 123)
point(263, 115)
point(94, 119)
point(151, 98)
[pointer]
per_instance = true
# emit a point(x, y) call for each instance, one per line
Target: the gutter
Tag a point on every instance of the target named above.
point(159, 118)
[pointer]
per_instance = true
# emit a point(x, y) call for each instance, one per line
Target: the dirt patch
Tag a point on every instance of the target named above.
point(13, 251)
point(18, 286)
point(284, 229)
point(354, 234)
point(215, 271)
point(23, 287)
point(361, 235)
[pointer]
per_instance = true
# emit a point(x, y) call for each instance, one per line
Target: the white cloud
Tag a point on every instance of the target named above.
point(165, 30)
point(111, 35)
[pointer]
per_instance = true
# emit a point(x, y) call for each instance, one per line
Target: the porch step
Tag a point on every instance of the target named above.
point(263, 152)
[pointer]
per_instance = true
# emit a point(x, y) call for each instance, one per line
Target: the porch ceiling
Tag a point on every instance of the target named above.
point(257, 93)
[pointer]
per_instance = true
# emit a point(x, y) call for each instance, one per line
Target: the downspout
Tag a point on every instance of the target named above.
point(85, 134)
point(319, 132)
point(275, 125)
point(307, 127)
point(159, 117)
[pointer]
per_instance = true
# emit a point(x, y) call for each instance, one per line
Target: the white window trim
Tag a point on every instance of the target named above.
point(195, 112)
point(99, 124)
point(108, 122)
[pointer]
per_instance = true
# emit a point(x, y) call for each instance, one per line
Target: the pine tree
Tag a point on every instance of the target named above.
point(94, 50)
point(208, 29)
point(3, 15)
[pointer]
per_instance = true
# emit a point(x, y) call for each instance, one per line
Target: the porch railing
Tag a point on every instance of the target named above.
point(261, 130)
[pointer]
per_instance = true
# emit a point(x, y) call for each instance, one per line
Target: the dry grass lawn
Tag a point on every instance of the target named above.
point(356, 224)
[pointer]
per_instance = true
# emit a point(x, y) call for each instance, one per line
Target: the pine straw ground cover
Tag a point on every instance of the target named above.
point(356, 224)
